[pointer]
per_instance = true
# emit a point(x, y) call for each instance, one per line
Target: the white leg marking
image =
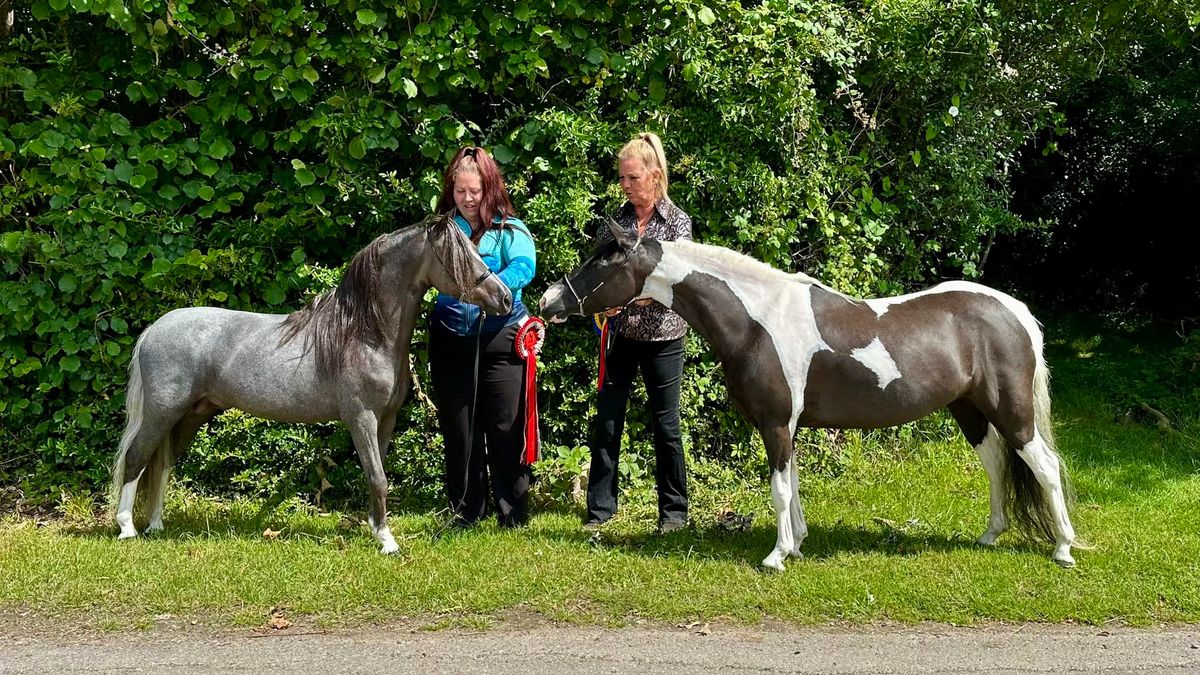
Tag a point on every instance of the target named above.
point(799, 526)
point(781, 496)
point(156, 503)
point(993, 454)
point(387, 542)
point(1047, 471)
point(125, 509)
point(876, 358)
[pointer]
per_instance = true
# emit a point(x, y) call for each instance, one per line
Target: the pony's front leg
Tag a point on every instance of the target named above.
point(364, 429)
point(778, 442)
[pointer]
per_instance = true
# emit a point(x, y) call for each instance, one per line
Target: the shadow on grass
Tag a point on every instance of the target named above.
point(705, 541)
point(824, 542)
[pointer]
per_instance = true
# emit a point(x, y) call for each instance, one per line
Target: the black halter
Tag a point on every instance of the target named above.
point(580, 298)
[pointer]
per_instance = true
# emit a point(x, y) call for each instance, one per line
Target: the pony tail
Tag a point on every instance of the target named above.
point(134, 399)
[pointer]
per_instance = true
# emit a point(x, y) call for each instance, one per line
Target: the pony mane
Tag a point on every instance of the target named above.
point(342, 316)
point(728, 261)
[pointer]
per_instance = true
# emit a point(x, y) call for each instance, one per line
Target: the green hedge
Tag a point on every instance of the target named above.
point(158, 154)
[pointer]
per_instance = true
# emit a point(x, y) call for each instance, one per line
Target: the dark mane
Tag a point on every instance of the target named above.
point(343, 316)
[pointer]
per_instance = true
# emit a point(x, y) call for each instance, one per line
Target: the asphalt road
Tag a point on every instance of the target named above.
point(1025, 648)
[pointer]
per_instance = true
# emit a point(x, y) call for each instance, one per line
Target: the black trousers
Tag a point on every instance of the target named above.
point(498, 425)
point(661, 364)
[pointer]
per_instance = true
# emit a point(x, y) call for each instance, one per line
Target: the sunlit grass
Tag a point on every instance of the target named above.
point(892, 538)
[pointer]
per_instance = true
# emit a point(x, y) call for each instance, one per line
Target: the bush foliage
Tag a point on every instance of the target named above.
point(163, 153)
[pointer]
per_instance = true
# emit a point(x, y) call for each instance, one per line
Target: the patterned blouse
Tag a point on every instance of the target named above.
point(654, 322)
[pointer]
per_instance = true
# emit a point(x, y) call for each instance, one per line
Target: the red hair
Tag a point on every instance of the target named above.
point(495, 202)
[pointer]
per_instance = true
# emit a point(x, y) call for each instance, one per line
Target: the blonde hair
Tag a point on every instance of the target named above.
point(648, 148)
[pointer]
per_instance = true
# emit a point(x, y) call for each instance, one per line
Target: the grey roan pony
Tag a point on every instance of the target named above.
point(797, 353)
point(343, 357)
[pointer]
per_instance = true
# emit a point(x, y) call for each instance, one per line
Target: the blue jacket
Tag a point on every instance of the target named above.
point(508, 252)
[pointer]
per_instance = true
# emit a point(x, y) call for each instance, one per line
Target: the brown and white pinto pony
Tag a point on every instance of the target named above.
point(796, 353)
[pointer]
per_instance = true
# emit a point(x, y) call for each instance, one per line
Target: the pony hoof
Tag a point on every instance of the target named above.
point(987, 539)
point(773, 563)
point(390, 548)
point(127, 534)
point(1065, 563)
point(797, 554)
point(154, 528)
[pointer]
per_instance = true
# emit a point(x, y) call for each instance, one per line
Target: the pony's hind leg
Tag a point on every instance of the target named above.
point(799, 526)
point(151, 440)
point(1047, 470)
point(181, 437)
point(993, 454)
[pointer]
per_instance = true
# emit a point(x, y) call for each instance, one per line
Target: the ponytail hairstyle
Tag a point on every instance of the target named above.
point(495, 202)
point(648, 148)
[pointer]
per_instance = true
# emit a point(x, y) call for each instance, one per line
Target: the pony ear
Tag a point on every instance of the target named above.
point(620, 235)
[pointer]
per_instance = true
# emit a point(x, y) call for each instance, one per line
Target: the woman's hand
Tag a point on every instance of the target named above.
point(610, 313)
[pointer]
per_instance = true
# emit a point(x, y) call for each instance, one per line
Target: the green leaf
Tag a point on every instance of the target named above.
point(503, 154)
point(67, 283)
point(118, 325)
point(70, 363)
point(207, 192)
point(658, 89)
point(366, 17)
point(12, 241)
point(118, 249)
point(595, 56)
point(916, 157)
point(376, 73)
point(275, 294)
point(357, 149)
point(410, 88)
point(58, 5)
point(930, 132)
point(706, 16)
point(305, 177)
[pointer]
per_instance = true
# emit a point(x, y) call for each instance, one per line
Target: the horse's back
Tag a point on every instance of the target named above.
point(233, 359)
point(892, 360)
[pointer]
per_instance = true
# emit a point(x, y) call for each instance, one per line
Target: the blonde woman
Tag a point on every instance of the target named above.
point(646, 336)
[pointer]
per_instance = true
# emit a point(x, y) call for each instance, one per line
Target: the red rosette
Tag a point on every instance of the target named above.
point(528, 345)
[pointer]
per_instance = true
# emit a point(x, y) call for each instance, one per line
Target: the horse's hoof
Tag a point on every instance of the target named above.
point(1065, 563)
point(987, 539)
point(390, 548)
point(773, 563)
point(127, 534)
point(154, 528)
point(797, 554)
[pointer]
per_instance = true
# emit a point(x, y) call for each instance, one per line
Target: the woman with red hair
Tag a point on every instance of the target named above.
point(478, 377)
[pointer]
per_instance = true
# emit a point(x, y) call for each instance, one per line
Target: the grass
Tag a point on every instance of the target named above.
point(891, 540)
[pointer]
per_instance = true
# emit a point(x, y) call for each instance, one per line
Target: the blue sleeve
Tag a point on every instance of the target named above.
point(521, 256)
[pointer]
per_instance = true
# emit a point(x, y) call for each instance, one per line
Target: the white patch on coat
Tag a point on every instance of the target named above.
point(876, 358)
point(781, 303)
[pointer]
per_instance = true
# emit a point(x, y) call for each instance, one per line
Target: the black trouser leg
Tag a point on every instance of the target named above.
point(451, 365)
point(609, 424)
point(502, 420)
point(662, 370)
